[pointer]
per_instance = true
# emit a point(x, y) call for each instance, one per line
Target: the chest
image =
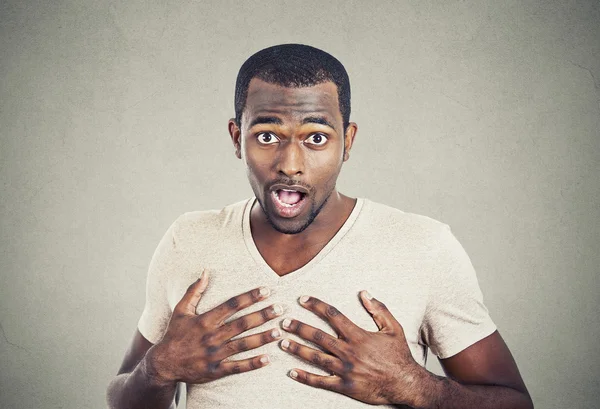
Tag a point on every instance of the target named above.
point(284, 260)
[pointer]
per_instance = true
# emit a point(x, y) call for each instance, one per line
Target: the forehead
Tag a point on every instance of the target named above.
point(266, 98)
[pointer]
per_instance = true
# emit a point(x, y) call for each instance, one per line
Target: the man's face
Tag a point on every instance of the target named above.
point(292, 142)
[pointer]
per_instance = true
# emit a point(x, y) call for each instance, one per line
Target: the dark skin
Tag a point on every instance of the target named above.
point(277, 139)
point(195, 349)
point(293, 117)
point(376, 368)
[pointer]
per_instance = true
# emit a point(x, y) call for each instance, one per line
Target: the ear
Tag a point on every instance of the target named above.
point(349, 139)
point(236, 134)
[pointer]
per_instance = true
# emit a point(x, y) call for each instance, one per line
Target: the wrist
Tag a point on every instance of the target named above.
point(152, 365)
point(426, 390)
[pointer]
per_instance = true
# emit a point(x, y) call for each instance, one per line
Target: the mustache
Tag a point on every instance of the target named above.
point(288, 182)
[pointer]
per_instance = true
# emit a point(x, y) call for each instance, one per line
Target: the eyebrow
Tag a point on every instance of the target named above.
point(277, 121)
point(317, 120)
point(266, 120)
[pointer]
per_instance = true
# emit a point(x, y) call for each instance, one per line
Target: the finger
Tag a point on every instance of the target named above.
point(193, 294)
point(338, 321)
point(332, 383)
point(253, 320)
point(223, 311)
point(381, 315)
point(244, 365)
point(327, 362)
point(250, 342)
point(332, 344)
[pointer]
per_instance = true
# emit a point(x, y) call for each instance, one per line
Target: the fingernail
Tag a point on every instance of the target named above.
point(293, 374)
point(368, 296)
point(277, 309)
point(264, 291)
point(264, 359)
point(275, 333)
point(285, 344)
point(304, 299)
point(286, 323)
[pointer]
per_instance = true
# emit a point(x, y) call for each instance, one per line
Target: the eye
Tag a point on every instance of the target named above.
point(317, 139)
point(266, 138)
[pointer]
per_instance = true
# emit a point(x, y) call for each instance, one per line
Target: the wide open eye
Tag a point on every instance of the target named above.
point(266, 138)
point(317, 139)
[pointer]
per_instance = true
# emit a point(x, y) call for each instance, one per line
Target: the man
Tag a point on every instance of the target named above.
point(302, 255)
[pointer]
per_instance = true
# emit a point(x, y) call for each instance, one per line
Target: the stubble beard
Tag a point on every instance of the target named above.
point(314, 212)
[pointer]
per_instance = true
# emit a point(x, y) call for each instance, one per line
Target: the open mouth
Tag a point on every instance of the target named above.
point(289, 200)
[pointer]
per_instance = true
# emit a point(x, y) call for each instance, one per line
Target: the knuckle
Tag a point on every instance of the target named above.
point(236, 369)
point(327, 363)
point(227, 328)
point(212, 350)
point(252, 364)
point(316, 358)
point(333, 343)
point(242, 324)
point(264, 313)
point(202, 323)
point(230, 347)
point(348, 366)
point(207, 338)
point(233, 303)
point(347, 385)
point(242, 344)
point(213, 368)
point(331, 311)
point(298, 326)
point(318, 335)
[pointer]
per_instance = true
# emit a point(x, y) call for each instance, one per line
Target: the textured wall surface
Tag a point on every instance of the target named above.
point(481, 114)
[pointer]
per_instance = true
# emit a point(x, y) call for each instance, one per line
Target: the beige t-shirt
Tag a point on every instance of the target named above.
point(411, 263)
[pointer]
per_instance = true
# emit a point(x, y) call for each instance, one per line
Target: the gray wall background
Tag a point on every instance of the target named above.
point(482, 114)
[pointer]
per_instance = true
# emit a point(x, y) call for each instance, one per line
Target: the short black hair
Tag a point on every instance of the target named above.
point(293, 65)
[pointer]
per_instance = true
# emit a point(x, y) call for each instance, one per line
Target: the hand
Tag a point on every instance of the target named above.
point(373, 367)
point(195, 347)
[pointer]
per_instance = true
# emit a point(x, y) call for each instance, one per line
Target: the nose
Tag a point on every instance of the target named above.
point(291, 159)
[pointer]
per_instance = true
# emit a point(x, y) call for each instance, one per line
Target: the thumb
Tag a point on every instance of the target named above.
point(381, 315)
point(192, 296)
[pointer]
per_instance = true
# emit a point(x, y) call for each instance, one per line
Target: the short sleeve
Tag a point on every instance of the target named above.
point(455, 317)
point(157, 311)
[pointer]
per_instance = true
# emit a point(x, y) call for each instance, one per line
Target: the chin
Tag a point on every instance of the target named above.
point(294, 227)
point(289, 226)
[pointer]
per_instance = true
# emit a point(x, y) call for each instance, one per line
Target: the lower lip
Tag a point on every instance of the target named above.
point(288, 211)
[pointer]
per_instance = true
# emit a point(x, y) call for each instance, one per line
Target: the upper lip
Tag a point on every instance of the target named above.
point(297, 188)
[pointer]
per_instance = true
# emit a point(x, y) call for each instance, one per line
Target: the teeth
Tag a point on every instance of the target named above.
point(280, 202)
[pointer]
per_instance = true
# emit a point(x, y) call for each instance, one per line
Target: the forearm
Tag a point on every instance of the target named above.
point(139, 389)
point(439, 392)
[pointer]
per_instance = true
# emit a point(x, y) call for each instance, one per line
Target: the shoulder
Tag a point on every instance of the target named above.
point(394, 224)
point(194, 225)
point(212, 218)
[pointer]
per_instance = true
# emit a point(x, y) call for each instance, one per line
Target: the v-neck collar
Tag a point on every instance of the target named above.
point(293, 275)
